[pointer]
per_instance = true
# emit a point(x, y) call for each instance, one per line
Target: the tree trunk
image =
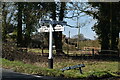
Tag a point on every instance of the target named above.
point(19, 27)
point(55, 34)
point(28, 30)
point(105, 38)
point(4, 24)
point(105, 45)
point(61, 16)
point(58, 35)
point(114, 27)
point(114, 39)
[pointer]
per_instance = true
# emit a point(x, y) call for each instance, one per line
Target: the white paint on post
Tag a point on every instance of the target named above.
point(50, 43)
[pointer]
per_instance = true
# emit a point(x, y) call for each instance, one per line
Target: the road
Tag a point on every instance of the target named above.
point(11, 75)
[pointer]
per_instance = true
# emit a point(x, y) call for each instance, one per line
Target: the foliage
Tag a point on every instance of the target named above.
point(81, 37)
point(23, 18)
point(107, 28)
point(7, 27)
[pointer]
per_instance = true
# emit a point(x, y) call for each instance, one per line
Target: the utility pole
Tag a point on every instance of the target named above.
point(69, 35)
point(78, 26)
point(68, 43)
point(119, 54)
point(78, 34)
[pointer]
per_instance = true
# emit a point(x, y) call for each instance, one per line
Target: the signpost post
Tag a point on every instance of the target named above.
point(58, 27)
point(50, 58)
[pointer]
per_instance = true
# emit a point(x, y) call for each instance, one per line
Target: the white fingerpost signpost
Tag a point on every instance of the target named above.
point(50, 29)
point(50, 58)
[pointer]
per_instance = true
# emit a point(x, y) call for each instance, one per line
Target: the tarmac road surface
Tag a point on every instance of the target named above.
point(7, 74)
point(11, 75)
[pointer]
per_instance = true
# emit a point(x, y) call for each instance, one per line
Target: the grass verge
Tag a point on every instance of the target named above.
point(19, 66)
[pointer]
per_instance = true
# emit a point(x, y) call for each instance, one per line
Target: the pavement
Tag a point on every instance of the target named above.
point(11, 75)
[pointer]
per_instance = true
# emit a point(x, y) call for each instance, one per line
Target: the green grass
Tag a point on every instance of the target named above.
point(37, 50)
point(91, 66)
point(98, 69)
point(92, 43)
point(19, 66)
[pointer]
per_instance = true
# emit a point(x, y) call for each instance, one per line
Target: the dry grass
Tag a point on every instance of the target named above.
point(91, 65)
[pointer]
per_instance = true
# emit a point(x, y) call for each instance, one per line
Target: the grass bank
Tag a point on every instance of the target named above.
point(19, 66)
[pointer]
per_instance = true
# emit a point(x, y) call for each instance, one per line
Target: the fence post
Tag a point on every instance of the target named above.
point(118, 58)
point(93, 53)
point(119, 51)
point(68, 49)
point(68, 44)
point(42, 51)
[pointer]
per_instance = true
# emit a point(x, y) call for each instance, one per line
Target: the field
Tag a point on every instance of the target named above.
point(69, 52)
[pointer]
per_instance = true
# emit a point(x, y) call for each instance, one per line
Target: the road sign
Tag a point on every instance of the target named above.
point(59, 28)
point(44, 29)
point(46, 21)
point(54, 22)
